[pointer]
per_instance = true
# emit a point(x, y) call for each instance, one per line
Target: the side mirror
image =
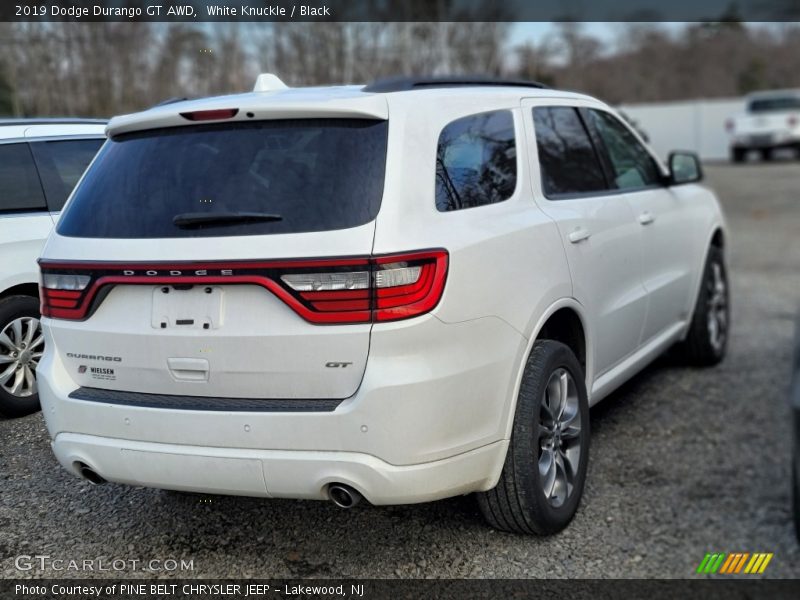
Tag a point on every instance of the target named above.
point(684, 167)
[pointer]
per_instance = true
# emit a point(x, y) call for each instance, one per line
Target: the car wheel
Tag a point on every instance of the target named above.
point(738, 155)
point(766, 154)
point(796, 490)
point(542, 480)
point(707, 340)
point(21, 346)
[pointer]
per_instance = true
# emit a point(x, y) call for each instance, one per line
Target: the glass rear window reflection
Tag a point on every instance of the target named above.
point(316, 174)
point(476, 161)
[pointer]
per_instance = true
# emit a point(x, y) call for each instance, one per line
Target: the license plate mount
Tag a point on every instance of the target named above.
point(194, 307)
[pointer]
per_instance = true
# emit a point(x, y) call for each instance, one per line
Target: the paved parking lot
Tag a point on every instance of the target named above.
point(683, 462)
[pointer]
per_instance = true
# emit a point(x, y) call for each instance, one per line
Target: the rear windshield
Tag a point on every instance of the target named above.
point(309, 174)
point(774, 104)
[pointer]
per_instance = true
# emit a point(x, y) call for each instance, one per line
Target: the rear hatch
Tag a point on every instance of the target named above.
point(221, 260)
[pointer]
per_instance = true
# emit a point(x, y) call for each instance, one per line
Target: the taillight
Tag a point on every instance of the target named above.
point(210, 115)
point(729, 125)
point(792, 121)
point(410, 285)
point(61, 293)
point(322, 291)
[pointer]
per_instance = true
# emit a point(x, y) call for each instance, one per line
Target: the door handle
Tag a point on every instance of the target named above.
point(646, 218)
point(580, 234)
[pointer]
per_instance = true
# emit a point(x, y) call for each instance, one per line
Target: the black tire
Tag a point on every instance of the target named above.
point(701, 348)
point(796, 490)
point(12, 308)
point(766, 154)
point(519, 503)
point(738, 155)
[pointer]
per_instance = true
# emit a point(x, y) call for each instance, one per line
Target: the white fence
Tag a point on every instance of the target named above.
point(697, 125)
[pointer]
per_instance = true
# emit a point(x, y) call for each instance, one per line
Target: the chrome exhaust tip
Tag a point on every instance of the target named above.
point(343, 495)
point(89, 474)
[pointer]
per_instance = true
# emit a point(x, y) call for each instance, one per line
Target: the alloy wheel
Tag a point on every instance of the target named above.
point(559, 437)
point(717, 307)
point(21, 347)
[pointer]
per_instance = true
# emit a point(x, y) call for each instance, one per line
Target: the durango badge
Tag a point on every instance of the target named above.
point(95, 357)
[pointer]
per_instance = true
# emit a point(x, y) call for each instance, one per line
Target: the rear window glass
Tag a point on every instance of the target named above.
point(310, 174)
point(20, 189)
point(476, 161)
point(775, 103)
point(61, 165)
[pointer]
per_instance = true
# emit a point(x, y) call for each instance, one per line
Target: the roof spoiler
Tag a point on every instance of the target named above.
point(268, 82)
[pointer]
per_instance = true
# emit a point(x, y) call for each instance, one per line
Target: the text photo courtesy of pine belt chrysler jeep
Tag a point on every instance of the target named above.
point(41, 160)
point(400, 292)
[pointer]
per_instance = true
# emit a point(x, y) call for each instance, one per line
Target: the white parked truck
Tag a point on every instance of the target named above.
point(771, 122)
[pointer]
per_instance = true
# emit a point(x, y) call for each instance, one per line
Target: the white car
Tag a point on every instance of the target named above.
point(40, 162)
point(403, 291)
point(771, 122)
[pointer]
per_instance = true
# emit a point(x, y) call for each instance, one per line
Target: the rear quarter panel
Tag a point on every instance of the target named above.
point(507, 263)
point(21, 239)
point(506, 259)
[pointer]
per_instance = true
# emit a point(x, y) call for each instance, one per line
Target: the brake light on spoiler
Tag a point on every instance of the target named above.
point(322, 291)
point(210, 115)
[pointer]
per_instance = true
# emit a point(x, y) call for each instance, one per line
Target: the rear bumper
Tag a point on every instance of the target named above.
point(766, 142)
point(430, 420)
point(275, 473)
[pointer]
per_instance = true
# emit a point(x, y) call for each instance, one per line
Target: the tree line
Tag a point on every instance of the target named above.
point(101, 69)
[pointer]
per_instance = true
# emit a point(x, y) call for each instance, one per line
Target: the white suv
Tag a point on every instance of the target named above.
point(404, 291)
point(771, 122)
point(41, 160)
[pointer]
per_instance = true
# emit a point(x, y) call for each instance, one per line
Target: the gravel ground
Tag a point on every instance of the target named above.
point(683, 462)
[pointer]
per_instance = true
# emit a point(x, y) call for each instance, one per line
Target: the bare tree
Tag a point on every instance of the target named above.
point(110, 68)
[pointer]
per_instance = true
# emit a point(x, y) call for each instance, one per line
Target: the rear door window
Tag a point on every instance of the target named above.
point(20, 189)
point(61, 164)
point(310, 174)
point(476, 161)
point(568, 160)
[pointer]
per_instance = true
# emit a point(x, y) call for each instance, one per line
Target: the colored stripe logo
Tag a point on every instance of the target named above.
point(734, 563)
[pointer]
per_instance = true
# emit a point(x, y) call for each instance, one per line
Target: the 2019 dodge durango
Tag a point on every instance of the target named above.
point(403, 291)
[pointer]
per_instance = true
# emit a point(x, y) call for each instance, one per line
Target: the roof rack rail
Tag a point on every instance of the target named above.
point(402, 84)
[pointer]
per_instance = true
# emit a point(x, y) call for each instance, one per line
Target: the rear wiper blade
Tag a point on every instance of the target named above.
point(188, 220)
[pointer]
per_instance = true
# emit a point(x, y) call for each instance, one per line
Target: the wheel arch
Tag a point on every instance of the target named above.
point(717, 237)
point(564, 321)
point(21, 289)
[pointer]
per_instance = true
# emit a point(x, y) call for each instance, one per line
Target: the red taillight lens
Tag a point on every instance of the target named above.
point(390, 288)
point(323, 291)
point(792, 121)
point(61, 294)
point(210, 115)
point(408, 285)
